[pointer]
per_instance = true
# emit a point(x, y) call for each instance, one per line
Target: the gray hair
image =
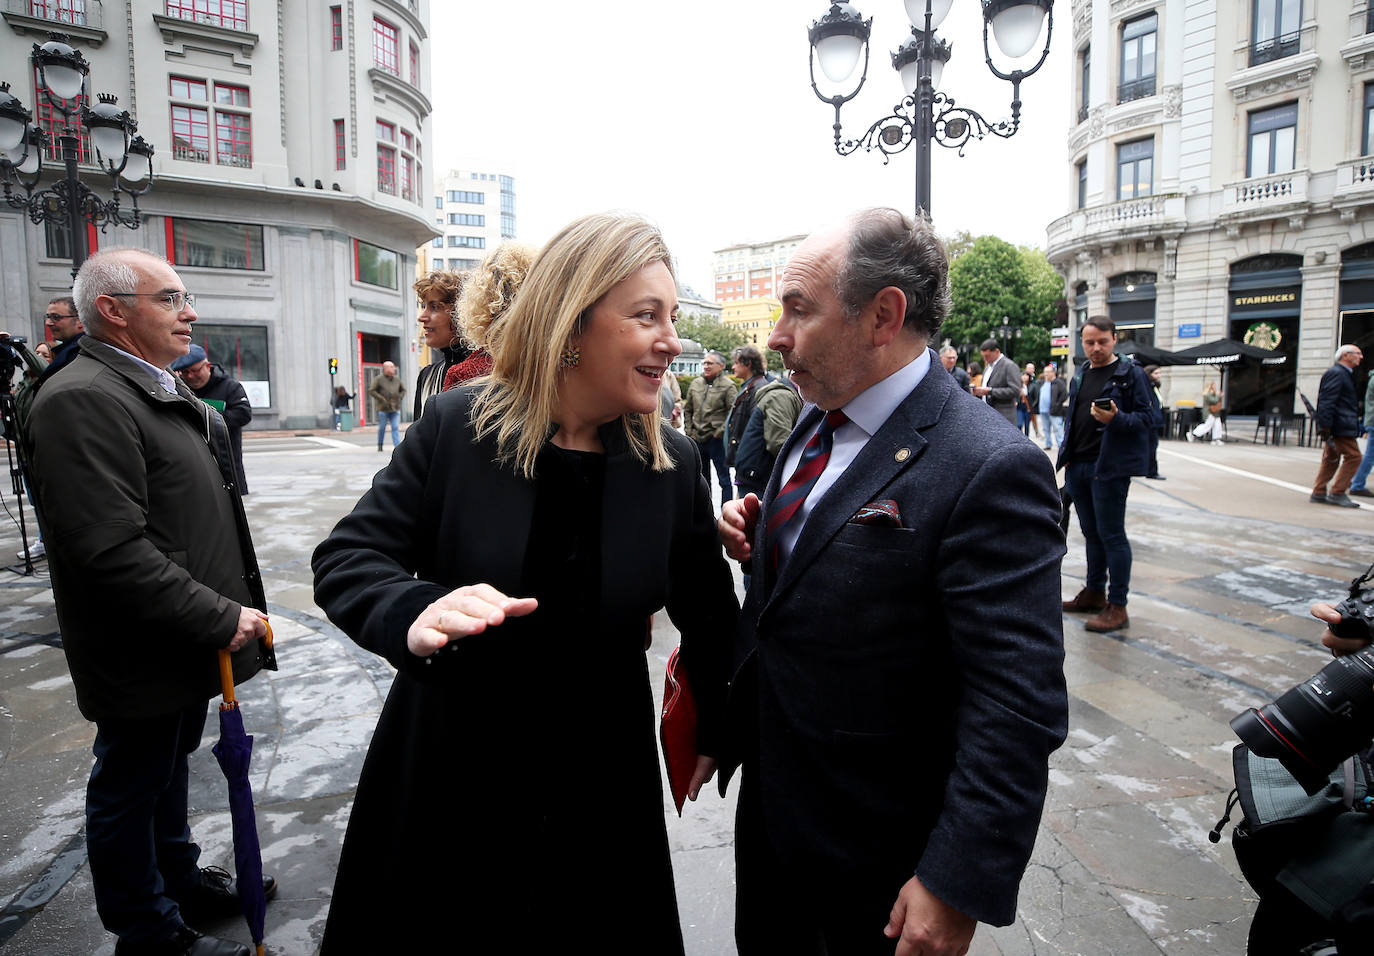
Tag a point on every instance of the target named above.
point(887, 248)
point(950, 350)
point(105, 273)
point(718, 356)
point(1345, 350)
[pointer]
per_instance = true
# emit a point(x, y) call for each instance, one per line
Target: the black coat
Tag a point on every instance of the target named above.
point(514, 777)
point(148, 545)
point(899, 690)
point(237, 412)
point(1338, 406)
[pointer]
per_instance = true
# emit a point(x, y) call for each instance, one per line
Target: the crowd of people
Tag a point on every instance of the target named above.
point(899, 533)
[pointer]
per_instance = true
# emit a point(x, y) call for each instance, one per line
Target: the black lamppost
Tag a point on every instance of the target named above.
point(124, 157)
point(924, 115)
point(1005, 333)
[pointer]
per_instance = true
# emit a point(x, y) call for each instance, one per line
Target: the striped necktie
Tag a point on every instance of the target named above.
point(814, 458)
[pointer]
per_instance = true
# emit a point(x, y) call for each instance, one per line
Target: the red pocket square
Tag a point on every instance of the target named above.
point(882, 512)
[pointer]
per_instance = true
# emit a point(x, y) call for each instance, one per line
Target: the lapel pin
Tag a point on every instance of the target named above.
point(902, 454)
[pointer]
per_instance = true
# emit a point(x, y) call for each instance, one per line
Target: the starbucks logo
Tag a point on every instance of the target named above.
point(1263, 335)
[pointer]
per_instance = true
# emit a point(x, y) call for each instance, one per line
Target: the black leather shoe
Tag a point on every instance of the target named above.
point(1362, 493)
point(184, 942)
point(214, 895)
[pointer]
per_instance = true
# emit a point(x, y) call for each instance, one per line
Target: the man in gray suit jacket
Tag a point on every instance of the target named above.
point(898, 671)
point(1001, 381)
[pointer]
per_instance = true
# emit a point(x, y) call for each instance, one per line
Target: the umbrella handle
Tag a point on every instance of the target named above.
point(226, 671)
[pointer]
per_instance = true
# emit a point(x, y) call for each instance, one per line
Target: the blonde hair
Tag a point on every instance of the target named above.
point(490, 289)
point(569, 275)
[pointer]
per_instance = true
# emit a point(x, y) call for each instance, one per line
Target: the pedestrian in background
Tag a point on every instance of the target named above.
point(949, 359)
point(775, 409)
point(1338, 425)
point(556, 480)
point(975, 375)
point(153, 573)
point(1109, 417)
point(487, 297)
point(341, 402)
point(1211, 401)
point(1357, 484)
point(1152, 376)
point(215, 387)
point(1033, 399)
point(387, 390)
point(1052, 398)
point(749, 368)
point(709, 398)
point(1023, 408)
point(438, 292)
point(1000, 385)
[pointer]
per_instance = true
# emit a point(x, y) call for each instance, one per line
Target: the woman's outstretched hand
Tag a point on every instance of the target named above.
point(470, 609)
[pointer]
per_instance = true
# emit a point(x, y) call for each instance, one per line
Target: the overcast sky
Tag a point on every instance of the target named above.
point(700, 116)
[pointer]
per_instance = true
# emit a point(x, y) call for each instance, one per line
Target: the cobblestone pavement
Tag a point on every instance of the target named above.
point(1228, 555)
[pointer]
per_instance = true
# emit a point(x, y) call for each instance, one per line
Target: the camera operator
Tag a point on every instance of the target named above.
point(1340, 646)
point(14, 413)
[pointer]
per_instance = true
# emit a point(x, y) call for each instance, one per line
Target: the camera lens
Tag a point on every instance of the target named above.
point(1316, 724)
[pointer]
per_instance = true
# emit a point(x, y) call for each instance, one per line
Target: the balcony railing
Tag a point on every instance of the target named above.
point(59, 11)
point(1148, 216)
point(1128, 212)
point(190, 154)
point(1355, 178)
point(1275, 48)
point(239, 160)
point(1254, 197)
point(1136, 89)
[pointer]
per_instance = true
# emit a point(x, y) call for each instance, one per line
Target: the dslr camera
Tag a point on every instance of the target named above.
point(1323, 720)
point(9, 358)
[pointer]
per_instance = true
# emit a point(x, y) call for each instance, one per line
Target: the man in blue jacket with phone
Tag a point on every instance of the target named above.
point(1109, 418)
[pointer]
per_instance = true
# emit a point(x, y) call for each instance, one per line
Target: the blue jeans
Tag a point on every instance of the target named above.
point(138, 840)
point(1056, 428)
point(1366, 463)
point(1023, 419)
point(713, 452)
point(1101, 506)
point(382, 419)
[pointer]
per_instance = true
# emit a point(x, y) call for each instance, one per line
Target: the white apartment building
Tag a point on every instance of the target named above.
point(752, 269)
point(1221, 182)
point(290, 183)
point(475, 211)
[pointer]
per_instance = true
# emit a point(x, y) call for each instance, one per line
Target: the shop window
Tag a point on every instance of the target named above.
point(211, 244)
point(375, 265)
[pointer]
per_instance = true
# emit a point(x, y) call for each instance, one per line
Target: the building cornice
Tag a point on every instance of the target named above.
point(175, 30)
point(401, 91)
point(1277, 76)
point(91, 33)
point(1359, 52)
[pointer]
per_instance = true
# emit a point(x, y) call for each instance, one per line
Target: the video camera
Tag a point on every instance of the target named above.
point(9, 358)
point(1323, 720)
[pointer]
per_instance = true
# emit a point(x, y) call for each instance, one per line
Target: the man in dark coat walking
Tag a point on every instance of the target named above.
point(1338, 426)
point(153, 573)
point(898, 672)
point(213, 386)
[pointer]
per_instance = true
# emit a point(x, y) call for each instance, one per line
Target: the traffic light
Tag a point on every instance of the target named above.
point(333, 367)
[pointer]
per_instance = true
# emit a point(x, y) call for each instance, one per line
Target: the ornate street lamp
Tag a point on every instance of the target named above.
point(923, 115)
point(124, 157)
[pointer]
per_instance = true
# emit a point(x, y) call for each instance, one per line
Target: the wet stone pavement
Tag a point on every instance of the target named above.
point(1228, 556)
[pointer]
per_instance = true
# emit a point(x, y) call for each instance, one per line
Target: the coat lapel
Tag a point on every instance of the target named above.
point(893, 449)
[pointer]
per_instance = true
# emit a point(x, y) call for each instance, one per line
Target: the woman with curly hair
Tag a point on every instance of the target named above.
point(438, 292)
point(488, 294)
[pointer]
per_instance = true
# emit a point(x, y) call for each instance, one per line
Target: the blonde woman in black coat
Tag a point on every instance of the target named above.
point(505, 562)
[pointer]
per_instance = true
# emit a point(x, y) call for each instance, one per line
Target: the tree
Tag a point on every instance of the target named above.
point(1044, 287)
point(988, 284)
point(958, 244)
point(709, 333)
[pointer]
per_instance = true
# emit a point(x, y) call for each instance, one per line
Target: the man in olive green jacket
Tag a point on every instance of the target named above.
point(386, 390)
point(703, 417)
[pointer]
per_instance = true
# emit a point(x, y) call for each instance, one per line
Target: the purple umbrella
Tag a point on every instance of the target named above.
point(234, 752)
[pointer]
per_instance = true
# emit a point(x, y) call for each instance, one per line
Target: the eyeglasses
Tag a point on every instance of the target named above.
point(176, 301)
point(56, 317)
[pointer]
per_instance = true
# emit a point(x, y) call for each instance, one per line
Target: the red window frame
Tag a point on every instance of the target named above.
point(386, 46)
point(192, 124)
point(407, 140)
point(386, 170)
point(234, 139)
point(407, 177)
point(340, 147)
point(185, 88)
point(222, 13)
point(415, 66)
point(233, 90)
point(386, 131)
point(64, 11)
point(336, 28)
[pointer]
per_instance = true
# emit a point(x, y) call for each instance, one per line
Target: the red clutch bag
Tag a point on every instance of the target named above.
point(678, 729)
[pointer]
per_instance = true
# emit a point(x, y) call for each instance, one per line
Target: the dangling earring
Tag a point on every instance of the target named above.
point(570, 357)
